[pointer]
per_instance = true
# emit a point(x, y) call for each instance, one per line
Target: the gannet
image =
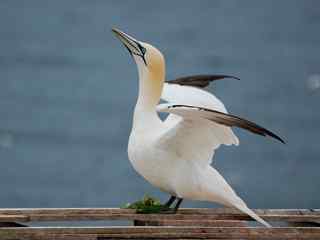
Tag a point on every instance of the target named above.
point(175, 154)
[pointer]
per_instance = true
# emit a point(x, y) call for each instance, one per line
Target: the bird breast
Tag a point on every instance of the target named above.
point(153, 163)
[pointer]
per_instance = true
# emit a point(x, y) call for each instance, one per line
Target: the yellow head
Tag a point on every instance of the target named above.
point(151, 67)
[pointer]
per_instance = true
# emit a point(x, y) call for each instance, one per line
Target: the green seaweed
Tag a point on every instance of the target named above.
point(147, 205)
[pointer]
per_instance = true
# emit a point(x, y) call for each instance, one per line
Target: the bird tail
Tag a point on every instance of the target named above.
point(243, 207)
point(222, 193)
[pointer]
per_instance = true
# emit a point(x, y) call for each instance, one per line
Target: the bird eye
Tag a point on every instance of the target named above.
point(143, 49)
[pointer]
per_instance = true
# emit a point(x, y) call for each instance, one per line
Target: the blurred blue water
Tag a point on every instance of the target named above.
point(68, 88)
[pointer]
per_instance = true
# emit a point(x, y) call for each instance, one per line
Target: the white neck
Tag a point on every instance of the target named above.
point(150, 89)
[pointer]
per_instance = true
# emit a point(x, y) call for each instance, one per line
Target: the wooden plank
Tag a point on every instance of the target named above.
point(158, 233)
point(13, 218)
point(78, 214)
point(192, 223)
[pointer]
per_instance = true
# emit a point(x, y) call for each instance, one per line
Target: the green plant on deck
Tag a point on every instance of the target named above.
point(147, 205)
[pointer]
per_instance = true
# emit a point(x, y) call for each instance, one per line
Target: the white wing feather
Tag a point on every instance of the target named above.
point(216, 134)
point(186, 95)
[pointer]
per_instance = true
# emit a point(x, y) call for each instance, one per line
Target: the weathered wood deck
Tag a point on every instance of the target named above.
point(186, 224)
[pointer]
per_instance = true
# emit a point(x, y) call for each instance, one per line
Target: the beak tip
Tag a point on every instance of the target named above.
point(130, 43)
point(114, 30)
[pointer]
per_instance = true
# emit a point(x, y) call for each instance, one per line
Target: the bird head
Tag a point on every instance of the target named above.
point(144, 54)
point(150, 63)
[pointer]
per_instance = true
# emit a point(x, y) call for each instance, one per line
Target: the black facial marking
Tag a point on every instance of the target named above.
point(143, 51)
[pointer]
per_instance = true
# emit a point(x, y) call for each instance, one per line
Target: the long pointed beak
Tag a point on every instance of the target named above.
point(133, 45)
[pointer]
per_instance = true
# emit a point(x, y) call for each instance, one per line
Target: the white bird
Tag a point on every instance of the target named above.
point(175, 155)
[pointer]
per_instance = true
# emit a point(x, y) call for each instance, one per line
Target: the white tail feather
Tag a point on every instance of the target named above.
point(223, 193)
point(245, 209)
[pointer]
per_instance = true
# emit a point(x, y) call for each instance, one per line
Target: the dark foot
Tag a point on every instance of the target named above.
point(167, 211)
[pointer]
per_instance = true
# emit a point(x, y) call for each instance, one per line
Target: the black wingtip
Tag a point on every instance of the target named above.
point(284, 142)
point(271, 134)
point(232, 77)
point(200, 81)
point(280, 139)
point(220, 76)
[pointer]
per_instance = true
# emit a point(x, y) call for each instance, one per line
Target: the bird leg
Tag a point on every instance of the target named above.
point(170, 201)
point(167, 205)
point(176, 207)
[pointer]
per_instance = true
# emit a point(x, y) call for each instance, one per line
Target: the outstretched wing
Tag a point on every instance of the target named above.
point(198, 113)
point(198, 123)
point(200, 81)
